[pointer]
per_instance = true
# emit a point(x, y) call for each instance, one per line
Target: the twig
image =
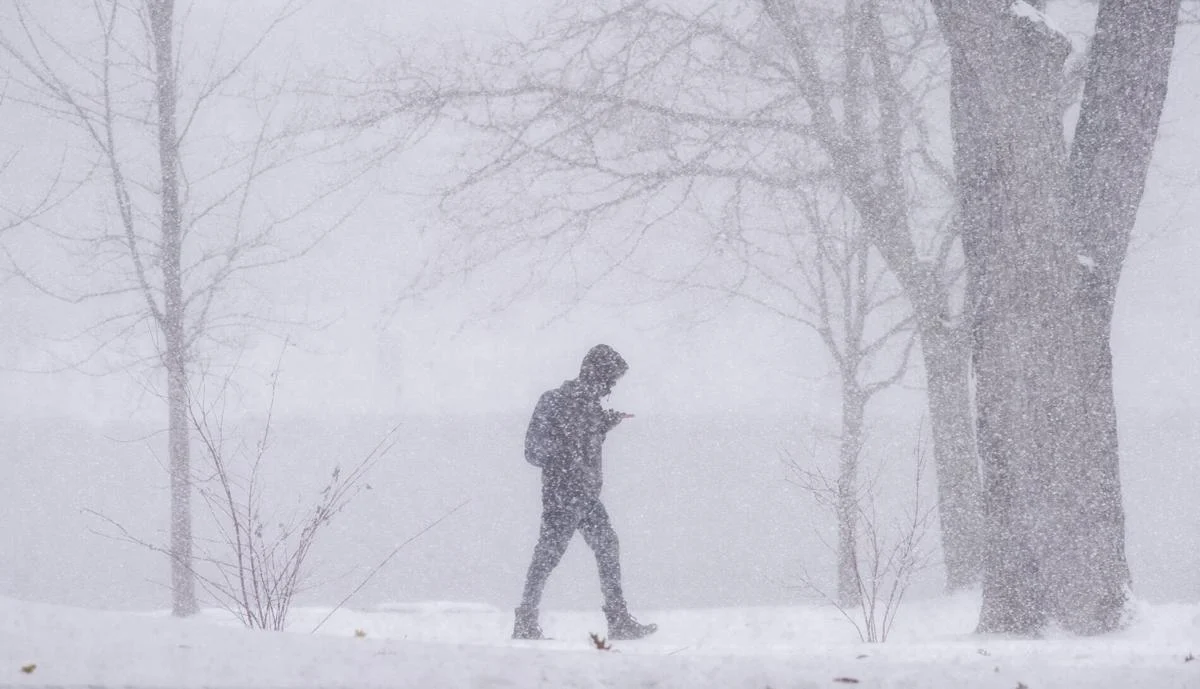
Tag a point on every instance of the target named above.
point(386, 560)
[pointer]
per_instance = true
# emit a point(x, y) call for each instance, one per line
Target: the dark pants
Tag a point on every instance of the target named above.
point(560, 521)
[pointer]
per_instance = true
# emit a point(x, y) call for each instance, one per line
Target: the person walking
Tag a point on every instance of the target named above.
point(564, 438)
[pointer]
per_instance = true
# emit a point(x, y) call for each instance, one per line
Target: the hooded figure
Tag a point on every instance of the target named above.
point(565, 437)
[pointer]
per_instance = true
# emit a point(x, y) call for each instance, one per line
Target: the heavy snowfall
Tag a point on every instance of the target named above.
point(662, 343)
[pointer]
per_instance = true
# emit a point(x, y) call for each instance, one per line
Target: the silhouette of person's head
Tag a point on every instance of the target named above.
point(601, 369)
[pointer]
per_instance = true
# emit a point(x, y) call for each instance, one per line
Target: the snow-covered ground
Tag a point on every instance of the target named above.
point(467, 645)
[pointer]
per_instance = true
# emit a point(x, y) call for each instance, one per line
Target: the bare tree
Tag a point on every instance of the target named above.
point(1046, 227)
point(626, 117)
point(825, 278)
point(190, 220)
point(844, 264)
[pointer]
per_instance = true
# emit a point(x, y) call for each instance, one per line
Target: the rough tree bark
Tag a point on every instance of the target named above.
point(1045, 232)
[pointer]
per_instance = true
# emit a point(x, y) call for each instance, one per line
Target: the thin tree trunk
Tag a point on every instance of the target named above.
point(183, 587)
point(850, 450)
point(944, 349)
point(946, 354)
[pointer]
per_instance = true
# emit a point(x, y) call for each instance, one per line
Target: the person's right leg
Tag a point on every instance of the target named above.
point(558, 525)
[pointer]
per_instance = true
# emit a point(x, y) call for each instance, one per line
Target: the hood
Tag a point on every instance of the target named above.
point(601, 367)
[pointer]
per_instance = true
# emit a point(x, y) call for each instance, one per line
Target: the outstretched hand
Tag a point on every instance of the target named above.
point(614, 417)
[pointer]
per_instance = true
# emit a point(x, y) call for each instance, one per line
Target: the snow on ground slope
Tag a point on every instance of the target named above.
point(467, 645)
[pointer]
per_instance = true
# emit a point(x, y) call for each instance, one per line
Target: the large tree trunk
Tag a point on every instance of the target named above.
point(1054, 522)
point(1122, 104)
point(183, 586)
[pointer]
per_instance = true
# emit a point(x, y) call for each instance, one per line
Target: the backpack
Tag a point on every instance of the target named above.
point(543, 441)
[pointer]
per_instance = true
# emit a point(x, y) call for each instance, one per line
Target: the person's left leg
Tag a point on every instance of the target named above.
point(600, 536)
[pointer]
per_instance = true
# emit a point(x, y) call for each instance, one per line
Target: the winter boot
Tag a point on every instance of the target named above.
point(623, 627)
point(525, 624)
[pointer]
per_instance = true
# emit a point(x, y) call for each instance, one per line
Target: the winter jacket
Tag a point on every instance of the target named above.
point(569, 426)
point(565, 437)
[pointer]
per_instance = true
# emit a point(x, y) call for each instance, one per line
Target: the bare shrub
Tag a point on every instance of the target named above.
point(257, 562)
point(888, 552)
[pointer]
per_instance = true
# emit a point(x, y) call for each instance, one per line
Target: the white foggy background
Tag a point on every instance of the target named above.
point(696, 483)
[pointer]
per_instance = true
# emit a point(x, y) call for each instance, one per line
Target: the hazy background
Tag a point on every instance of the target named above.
point(696, 483)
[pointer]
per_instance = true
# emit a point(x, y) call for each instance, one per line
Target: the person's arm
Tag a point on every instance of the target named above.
point(610, 418)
